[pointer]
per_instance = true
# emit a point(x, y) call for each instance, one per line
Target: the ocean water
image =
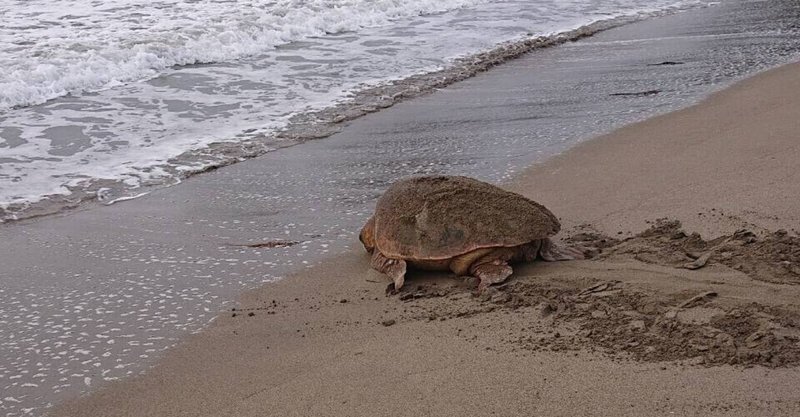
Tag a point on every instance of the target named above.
point(101, 100)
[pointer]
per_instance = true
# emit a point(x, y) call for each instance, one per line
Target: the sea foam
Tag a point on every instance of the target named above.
point(78, 47)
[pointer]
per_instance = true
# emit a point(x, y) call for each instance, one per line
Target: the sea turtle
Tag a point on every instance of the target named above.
point(460, 224)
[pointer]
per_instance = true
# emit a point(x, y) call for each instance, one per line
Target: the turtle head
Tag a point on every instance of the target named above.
point(367, 235)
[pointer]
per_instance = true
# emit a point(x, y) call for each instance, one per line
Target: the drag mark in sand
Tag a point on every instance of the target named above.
point(615, 319)
point(774, 257)
point(696, 325)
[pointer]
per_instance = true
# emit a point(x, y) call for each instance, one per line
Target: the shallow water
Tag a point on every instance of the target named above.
point(98, 98)
point(97, 295)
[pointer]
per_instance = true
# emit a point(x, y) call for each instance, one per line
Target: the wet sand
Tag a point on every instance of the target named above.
point(730, 166)
point(630, 332)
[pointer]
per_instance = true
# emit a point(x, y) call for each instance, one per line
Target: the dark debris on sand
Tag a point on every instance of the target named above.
point(624, 322)
point(654, 328)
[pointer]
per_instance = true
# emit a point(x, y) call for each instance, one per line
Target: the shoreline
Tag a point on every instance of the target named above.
point(312, 124)
point(317, 344)
point(322, 123)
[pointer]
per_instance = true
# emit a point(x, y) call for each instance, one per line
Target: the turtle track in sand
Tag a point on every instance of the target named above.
point(775, 257)
point(701, 324)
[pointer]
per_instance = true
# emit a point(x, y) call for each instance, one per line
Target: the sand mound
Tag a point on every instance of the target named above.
point(771, 258)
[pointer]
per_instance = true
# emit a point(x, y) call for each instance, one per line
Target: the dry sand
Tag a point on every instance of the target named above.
point(661, 322)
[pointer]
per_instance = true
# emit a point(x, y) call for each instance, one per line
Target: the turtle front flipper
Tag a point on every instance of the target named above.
point(394, 268)
point(491, 273)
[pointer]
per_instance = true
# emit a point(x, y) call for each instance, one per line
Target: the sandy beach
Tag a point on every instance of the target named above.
point(661, 321)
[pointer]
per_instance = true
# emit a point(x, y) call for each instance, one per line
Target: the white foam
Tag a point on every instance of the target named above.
point(76, 46)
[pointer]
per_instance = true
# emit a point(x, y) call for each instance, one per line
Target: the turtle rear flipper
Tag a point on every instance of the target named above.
point(491, 273)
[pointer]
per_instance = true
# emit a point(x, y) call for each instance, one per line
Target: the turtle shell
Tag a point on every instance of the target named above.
point(439, 217)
